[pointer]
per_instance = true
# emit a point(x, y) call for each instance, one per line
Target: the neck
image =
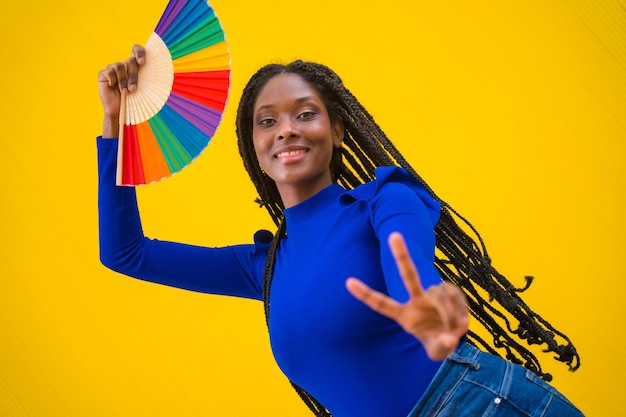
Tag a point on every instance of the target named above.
point(293, 195)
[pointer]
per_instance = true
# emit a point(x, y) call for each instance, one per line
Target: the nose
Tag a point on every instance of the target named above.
point(286, 129)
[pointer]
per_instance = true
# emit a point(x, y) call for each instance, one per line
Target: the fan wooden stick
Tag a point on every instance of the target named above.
point(120, 140)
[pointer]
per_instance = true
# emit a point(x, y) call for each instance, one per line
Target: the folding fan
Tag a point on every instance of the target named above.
point(182, 90)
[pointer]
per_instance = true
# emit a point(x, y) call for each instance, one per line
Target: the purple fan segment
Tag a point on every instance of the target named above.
point(170, 14)
point(203, 118)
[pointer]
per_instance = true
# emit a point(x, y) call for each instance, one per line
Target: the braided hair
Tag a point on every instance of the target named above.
point(460, 254)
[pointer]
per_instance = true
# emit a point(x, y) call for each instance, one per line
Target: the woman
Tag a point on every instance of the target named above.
point(360, 319)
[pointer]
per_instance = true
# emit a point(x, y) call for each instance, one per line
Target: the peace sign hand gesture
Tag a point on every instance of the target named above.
point(437, 316)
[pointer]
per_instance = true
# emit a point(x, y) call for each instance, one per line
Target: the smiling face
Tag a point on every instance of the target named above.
point(294, 137)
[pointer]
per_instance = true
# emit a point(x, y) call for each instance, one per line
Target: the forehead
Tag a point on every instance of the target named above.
point(285, 87)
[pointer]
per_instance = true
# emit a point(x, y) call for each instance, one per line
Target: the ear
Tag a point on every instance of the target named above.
point(338, 132)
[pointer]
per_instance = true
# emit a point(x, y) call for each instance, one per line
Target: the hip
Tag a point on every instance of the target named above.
point(474, 383)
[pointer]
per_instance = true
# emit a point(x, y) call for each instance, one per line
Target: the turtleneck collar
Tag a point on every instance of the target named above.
point(314, 206)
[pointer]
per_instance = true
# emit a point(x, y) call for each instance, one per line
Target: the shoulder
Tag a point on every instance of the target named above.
point(393, 184)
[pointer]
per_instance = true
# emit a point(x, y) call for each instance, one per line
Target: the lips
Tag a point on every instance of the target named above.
point(290, 154)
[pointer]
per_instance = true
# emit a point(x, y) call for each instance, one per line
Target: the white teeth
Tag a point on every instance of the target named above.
point(290, 153)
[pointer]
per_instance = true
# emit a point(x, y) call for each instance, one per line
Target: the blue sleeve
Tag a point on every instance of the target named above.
point(398, 209)
point(230, 270)
point(398, 203)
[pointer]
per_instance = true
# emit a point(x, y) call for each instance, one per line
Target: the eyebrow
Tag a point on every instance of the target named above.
point(298, 101)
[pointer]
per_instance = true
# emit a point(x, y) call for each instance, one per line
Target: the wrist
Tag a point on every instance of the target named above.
point(111, 126)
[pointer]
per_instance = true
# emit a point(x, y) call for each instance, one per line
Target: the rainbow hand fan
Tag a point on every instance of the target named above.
point(183, 87)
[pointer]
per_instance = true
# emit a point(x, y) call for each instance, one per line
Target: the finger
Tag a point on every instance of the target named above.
point(375, 300)
point(120, 75)
point(440, 300)
point(445, 340)
point(405, 265)
point(139, 53)
point(447, 343)
point(450, 303)
point(440, 346)
point(452, 308)
point(108, 76)
point(459, 309)
point(132, 72)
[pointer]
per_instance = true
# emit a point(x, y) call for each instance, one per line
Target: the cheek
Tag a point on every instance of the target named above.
point(257, 142)
point(327, 139)
point(259, 146)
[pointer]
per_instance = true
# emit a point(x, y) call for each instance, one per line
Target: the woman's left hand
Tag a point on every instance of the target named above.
point(437, 316)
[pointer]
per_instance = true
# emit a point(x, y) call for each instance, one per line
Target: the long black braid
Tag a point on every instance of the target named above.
point(461, 255)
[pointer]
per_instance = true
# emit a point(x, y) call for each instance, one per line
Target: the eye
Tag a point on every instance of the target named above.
point(307, 115)
point(266, 121)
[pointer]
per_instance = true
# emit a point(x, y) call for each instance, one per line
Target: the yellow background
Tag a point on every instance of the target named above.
point(515, 112)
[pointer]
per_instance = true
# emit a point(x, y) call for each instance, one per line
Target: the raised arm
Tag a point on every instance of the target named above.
point(231, 270)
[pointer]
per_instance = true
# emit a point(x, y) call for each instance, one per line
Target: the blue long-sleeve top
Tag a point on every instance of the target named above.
point(354, 361)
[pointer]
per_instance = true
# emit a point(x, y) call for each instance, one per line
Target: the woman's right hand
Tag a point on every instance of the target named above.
point(113, 82)
point(437, 316)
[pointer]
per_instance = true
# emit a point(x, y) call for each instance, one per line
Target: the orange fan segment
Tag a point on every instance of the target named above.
point(154, 165)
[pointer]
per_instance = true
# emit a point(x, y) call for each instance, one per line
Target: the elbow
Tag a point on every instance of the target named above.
point(121, 260)
point(110, 261)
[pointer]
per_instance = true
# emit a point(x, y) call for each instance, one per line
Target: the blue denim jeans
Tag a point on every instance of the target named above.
point(474, 383)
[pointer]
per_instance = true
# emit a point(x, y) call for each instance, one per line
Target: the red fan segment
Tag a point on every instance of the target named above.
point(207, 88)
point(132, 171)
